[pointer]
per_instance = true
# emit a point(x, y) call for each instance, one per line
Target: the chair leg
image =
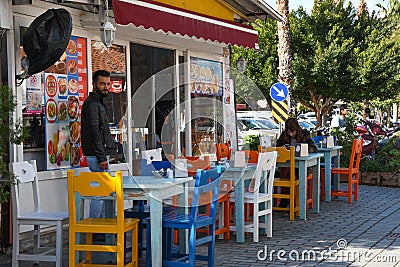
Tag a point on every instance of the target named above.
point(227, 220)
point(269, 221)
point(356, 187)
point(192, 247)
point(256, 222)
point(211, 246)
point(15, 246)
point(349, 189)
point(135, 249)
point(322, 181)
point(59, 244)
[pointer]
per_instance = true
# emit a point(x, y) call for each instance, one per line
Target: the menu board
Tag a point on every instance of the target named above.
point(205, 77)
point(65, 89)
point(34, 94)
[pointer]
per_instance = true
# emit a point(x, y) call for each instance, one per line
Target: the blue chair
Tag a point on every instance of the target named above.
point(207, 182)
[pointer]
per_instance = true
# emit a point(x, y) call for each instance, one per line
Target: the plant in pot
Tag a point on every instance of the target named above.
point(9, 131)
point(381, 168)
point(251, 142)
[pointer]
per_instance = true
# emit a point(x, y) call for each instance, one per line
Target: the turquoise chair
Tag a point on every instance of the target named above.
point(207, 182)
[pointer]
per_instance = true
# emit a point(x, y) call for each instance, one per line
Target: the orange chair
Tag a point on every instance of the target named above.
point(251, 156)
point(290, 182)
point(197, 163)
point(223, 151)
point(352, 172)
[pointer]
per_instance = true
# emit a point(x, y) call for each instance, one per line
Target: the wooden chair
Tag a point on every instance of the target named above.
point(207, 182)
point(26, 189)
point(352, 172)
point(251, 156)
point(195, 164)
point(285, 155)
point(264, 173)
point(223, 150)
point(101, 184)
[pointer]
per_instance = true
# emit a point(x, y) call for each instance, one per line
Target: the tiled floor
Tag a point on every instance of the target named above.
point(364, 233)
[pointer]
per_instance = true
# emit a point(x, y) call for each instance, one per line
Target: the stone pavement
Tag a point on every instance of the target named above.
point(364, 233)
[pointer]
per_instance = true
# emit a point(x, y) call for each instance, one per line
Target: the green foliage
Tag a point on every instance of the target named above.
point(387, 158)
point(14, 133)
point(251, 142)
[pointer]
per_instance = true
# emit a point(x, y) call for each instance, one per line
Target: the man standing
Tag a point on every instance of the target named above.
point(97, 142)
point(340, 120)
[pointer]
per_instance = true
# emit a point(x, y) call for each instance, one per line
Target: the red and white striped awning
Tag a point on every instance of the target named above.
point(157, 16)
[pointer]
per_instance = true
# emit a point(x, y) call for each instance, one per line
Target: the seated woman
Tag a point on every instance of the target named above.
point(292, 135)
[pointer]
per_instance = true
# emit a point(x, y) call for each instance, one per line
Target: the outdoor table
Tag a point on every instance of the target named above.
point(154, 190)
point(303, 163)
point(239, 175)
point(329, 153)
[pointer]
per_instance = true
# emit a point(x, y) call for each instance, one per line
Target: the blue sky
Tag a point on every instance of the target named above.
point(307, 4)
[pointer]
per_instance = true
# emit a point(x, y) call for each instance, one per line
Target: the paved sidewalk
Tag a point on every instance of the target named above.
point(364, 233)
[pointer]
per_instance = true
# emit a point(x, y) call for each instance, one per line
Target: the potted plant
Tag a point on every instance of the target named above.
point(15, 133)
point(384, 167)
point(251, 142)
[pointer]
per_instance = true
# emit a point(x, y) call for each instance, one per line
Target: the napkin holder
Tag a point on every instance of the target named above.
point(265, 141)
point(301, 150)
point(181, 169)
point(329, 142)
point(239, 160)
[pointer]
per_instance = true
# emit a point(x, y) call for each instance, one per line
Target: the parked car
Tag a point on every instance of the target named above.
point(307, 125)
point(251, 126)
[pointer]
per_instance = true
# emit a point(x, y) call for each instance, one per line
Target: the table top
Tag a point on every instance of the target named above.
point(150, 182)
point(310, 156)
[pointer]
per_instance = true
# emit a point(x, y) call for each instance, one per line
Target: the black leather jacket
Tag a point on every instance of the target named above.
point(96, 139)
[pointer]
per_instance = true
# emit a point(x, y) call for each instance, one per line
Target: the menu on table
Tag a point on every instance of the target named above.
point(65, 89)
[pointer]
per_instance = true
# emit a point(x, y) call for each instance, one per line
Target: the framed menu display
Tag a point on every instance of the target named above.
point(205, 77)
point(65, 89)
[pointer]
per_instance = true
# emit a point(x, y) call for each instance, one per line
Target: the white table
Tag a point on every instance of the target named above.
point(155, 190)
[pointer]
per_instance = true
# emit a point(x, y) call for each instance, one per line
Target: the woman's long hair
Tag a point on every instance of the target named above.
point(292, 124)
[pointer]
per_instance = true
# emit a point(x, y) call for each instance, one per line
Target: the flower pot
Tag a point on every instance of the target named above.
point(370, 178)
point(389, 179)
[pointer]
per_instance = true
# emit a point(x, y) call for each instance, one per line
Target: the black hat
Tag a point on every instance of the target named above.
point(344, 106)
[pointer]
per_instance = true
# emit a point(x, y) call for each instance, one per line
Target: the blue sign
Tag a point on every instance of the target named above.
point(278, 92)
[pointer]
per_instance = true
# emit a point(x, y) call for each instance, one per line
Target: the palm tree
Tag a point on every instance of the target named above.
point(284, 45)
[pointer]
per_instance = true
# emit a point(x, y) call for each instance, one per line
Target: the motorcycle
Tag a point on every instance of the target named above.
point(375, 136)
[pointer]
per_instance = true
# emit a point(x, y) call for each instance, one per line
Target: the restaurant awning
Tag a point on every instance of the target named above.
point(157, 16)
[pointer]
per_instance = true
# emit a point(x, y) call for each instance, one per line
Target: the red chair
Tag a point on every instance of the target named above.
point(352, 172)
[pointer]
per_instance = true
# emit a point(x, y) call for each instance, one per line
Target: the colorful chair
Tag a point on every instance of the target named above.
point(100, 184)
point(264, 173)
point(285, 155)
point(27, 181)
point(223, 150)
point(352, 172)
point(207, 182)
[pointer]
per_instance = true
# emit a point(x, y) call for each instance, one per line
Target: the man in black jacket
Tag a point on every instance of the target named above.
point(96, 140)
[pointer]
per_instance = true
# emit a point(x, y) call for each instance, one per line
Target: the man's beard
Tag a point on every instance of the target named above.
point(99, 92)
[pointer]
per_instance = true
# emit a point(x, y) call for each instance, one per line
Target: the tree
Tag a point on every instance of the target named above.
point(284, 45)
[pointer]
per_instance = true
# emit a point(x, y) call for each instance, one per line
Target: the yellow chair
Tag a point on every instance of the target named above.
point(102, 184)
point(290, 182)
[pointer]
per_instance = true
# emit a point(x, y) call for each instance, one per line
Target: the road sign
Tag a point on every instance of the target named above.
point(278, 92)
point(279, 111)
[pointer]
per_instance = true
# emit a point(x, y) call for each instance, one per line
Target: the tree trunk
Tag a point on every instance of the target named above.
point(284, 46)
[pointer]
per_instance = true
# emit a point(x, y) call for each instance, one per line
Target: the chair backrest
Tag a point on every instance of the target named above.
point(265, 171)
point(356, 152)
point(285, 155)
point(197, 163)
point(223, 151)
point(207, 183)
point(152, 154)
point(91, 184)
point(320, 138)
point(251, 156)
point(26, 184)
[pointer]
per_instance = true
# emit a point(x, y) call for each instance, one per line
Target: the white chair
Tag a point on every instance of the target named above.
point(264, 173)
point(26, 181)
point(152, 155)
